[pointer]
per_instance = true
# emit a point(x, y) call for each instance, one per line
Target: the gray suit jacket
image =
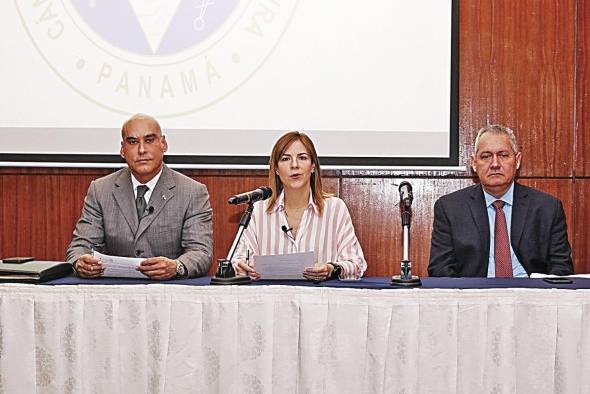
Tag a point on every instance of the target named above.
point(177, 223)
point(460, 243)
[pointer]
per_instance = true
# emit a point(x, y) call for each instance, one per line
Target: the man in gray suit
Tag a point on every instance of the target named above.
point(145, 210)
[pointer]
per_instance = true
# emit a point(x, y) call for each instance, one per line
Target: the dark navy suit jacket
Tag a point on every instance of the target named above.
point(460, 245)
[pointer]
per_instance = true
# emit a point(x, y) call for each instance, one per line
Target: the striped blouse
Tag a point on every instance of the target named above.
point(330, 236)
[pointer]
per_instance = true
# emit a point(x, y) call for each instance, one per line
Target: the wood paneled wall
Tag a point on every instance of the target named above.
point(522, 63)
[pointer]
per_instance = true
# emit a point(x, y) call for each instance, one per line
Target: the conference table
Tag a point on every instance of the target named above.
point(464, 335)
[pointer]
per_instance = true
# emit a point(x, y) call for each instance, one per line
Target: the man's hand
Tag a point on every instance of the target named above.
point(88, 266)
point(158, 268)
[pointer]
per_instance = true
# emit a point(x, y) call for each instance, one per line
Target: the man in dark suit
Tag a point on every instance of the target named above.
point(145, 210)
point(498, 228)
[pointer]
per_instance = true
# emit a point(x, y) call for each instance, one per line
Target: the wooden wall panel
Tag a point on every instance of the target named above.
point(39, 212)
point(22, 214)
point(517, 68)
point(373, 205)
point(8, 244)
point(9, 223)
point(68, 204)
point(582, 148)
point(3, 216)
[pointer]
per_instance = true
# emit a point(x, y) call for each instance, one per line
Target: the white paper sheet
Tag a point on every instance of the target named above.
point(120, 267)
point(283, 266)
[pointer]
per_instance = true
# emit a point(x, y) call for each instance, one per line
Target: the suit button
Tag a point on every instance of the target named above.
point(138, 253)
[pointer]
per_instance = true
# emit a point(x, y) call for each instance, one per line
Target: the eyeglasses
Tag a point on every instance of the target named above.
point(488, 157)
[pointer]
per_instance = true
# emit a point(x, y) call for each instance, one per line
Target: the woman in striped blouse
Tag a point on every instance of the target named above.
point(301, 217)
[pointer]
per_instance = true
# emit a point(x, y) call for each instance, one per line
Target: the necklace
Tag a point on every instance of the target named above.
point(295, 209)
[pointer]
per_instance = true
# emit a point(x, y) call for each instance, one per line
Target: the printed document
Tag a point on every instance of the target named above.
point(120, 267)
point(283, 266)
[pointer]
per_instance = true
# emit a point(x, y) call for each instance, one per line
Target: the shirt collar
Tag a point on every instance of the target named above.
point(508, 197)
point(280, 203)
point(151, 184)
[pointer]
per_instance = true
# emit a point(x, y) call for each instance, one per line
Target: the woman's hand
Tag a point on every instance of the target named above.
point(318, 272)
point(244, 269)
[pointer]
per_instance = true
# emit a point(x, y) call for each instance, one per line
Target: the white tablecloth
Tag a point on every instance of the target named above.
point(275, 339)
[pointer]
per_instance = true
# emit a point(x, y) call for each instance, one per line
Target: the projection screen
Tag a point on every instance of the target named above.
point(375, 84)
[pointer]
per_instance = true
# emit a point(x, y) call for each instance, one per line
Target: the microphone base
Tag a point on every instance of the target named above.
point(413, 281)
point(236, 280)
point(226, 275)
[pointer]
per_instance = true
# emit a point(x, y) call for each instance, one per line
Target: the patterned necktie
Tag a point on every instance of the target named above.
point(501, 243)
point(140, 203)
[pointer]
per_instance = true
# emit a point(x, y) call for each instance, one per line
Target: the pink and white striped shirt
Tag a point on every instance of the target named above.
point(330, 236)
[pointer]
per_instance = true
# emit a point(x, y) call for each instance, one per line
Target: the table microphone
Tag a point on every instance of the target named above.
point(262, 193)
point(405, 194)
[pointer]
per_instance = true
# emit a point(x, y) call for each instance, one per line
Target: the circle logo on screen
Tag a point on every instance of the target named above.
point(163, 57)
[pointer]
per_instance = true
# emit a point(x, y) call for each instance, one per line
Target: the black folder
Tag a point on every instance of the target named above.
point(34, 271)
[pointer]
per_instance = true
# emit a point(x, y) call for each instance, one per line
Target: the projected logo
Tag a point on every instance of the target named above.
point(164, 57)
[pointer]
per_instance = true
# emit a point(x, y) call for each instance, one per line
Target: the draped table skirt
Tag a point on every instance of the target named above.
point(165, 338)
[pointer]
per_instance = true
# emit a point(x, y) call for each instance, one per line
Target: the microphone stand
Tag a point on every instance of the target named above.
point(226, 275)
point(405, 278)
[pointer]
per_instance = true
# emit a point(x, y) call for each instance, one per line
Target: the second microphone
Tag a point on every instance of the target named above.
point(262, 193)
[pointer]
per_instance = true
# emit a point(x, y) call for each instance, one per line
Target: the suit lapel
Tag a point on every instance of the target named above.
point(520, 209)
point(162, 194)
point(477, 206)
point(123, 194)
